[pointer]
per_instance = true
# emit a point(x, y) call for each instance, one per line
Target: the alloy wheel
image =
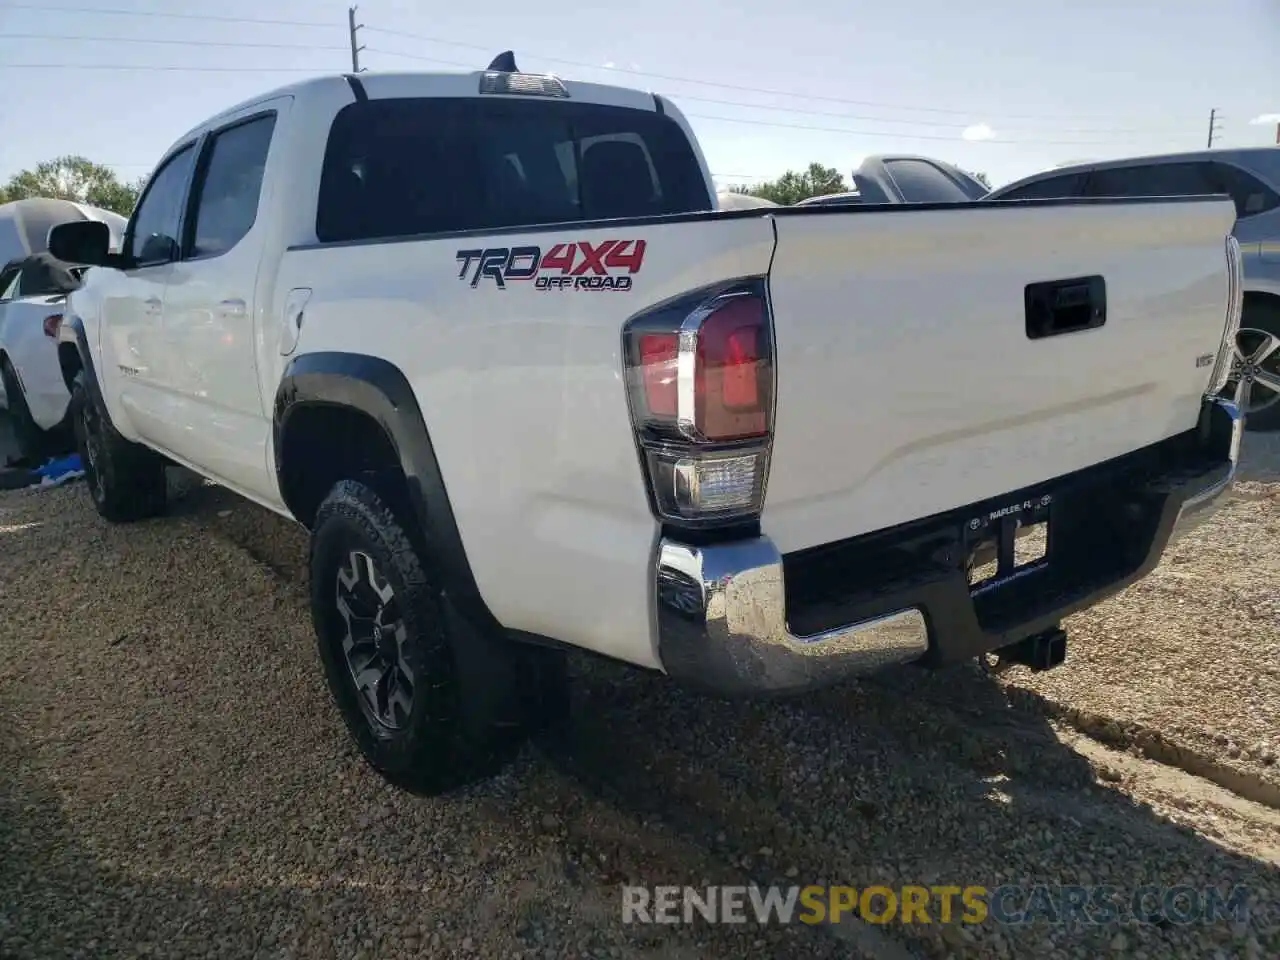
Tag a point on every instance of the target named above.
point(374, 642)
point(1255, 370)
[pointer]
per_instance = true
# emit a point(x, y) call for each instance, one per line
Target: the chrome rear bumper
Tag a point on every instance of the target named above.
point(721, 612)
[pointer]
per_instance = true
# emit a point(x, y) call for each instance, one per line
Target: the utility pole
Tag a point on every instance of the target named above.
point(1213, 126)
point(352, 26)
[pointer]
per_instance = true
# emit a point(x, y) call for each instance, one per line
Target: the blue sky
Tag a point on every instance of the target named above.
point(1004, 87)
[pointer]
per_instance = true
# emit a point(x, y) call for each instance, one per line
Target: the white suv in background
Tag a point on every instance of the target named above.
point(1252, 178)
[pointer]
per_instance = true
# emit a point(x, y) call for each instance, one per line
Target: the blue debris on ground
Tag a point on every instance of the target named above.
point(60, 470)
point(52, 473)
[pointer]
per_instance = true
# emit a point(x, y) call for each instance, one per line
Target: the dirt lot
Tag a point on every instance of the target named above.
point(173, 781)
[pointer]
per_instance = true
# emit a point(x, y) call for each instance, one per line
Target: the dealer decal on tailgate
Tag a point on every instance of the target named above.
point(605, 265)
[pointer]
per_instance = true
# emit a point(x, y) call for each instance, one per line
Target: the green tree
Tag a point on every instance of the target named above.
point(74, 178)
point(982, 178)
point(792, 187)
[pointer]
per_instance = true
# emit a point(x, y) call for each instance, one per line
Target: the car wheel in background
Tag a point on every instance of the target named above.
point(1255, 372)
point(33, 444)
point(126, 481)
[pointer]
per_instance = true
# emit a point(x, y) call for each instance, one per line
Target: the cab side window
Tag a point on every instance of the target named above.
point(1155, 180)
point(230, 185)
point(154, 233)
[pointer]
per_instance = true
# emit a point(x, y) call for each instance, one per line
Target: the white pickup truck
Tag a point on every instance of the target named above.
point(485, 336)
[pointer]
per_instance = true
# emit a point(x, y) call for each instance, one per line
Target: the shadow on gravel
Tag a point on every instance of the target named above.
point(174, 782)
point(912, 778)
point(61, 898)
point(172, 773)
point(1260, 458)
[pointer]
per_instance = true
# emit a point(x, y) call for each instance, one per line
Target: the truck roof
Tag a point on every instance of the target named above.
point(1265, 157)
point(421, 83)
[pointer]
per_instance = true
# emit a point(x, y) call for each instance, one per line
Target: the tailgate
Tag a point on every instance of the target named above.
point(907, 382)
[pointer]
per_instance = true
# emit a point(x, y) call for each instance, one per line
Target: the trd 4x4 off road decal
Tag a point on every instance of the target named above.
point(606, 265)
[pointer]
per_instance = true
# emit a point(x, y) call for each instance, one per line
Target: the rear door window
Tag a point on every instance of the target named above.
point(230, 185)
point(434, 165)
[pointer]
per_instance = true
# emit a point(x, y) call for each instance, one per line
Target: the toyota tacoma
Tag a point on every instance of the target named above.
point(487, 338)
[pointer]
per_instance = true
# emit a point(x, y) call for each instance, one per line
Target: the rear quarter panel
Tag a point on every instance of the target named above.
point(525, 403)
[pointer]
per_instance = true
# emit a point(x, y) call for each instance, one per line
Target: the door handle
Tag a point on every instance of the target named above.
point(152, 305)
point(232, 308)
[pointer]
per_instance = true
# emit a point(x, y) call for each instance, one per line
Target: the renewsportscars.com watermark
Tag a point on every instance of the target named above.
point(1007, 904)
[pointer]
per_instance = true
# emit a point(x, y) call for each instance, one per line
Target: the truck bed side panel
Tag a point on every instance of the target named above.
point(522, 390)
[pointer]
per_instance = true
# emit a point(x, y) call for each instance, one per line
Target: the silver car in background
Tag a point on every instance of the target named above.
point(1251, 177)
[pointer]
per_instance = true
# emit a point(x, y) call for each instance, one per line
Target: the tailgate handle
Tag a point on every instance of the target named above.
point(1065, 306)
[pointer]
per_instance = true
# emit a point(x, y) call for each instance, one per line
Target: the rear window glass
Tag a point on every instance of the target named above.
point(922, 182)
point(432, 165)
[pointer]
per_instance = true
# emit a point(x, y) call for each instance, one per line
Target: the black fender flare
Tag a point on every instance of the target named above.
point(379, 389)
point(71, 331)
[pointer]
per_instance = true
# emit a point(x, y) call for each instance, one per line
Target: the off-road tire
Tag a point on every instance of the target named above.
point(33, 443)
point(126, 481)
point(475, 697)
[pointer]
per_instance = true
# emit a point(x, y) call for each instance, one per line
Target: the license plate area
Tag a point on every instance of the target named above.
point(1007, 544)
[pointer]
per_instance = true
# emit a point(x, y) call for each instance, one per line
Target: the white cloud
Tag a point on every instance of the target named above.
point(1266, 118)
point(978, 131)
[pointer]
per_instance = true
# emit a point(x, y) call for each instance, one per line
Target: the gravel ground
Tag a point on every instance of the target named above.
point(174, 782)
point(1185, 665)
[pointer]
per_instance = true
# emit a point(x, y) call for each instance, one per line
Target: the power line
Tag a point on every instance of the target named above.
point(216, 18)
point(854, 116)
point(355, 62)
point(952, 138)
point(173, 42)
point(579, 63)
point(355, 50)
point(819, 113)
point(712, 83)
point(317, 71)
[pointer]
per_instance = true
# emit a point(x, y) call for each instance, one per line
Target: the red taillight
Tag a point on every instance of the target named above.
point(51, 323)
point(659, 353)
point(730, 399)
point(700, 375)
